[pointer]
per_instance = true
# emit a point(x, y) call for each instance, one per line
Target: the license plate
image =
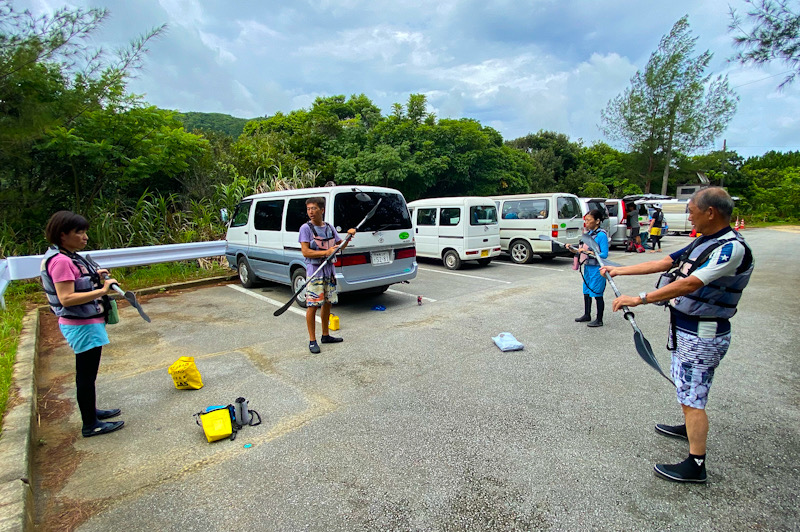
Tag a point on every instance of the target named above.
point(485, 253)
point(380, 257)
point(572, 233)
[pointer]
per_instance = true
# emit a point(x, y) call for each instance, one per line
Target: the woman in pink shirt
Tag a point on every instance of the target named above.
point(77, 294)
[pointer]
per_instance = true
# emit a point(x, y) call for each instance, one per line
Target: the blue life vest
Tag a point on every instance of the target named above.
point(88, 281)
point(718, 299)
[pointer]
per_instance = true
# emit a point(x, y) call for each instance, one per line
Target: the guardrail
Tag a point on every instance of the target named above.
point(28, 267)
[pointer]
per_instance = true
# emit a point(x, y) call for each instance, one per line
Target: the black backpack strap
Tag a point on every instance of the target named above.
point(253, 415)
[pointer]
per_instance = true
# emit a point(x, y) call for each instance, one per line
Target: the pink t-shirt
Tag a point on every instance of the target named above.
point(61, 268)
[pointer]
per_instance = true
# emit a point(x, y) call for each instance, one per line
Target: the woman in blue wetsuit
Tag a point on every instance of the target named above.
point(594, 284)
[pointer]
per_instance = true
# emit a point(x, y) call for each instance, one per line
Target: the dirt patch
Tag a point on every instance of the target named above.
point(68, 514)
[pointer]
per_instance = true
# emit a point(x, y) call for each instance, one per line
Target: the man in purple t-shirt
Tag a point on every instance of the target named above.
point(318, 240)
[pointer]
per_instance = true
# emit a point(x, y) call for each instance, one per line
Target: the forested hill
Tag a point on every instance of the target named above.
point(222, 123)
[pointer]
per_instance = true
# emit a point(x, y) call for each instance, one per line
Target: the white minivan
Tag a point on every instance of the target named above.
point(523, 217)
point(456, 229)
point(262, 238)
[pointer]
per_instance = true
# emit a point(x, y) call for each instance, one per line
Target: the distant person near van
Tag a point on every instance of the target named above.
point(656, 223)
point(703, 287)
point(632, 221)
point(594, 284)
point(318, 240)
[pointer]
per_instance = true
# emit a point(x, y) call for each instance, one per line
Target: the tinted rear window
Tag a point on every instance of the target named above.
point(613, 208)
point(480, 215)
point(391, 214)
point(568, 208)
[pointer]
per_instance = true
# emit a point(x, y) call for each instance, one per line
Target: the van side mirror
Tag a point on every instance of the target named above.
point(223, 213)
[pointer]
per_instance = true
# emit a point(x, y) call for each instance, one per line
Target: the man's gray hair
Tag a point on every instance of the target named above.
point(714, 197)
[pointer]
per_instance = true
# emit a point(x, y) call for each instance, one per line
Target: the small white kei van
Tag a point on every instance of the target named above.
point(262, 238)
point(523, 217)
point(456, 229)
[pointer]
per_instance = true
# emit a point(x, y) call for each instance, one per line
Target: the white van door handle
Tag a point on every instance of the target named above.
point(247, 233)
point(417, 230)
point(256, 238)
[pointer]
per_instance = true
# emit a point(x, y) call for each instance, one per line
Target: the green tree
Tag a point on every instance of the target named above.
point(672, 106)
point(770, 33)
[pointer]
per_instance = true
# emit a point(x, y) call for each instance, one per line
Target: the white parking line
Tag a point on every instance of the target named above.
point(410, 295)
point(269, 300)
point(464, 275)
point(527, 266)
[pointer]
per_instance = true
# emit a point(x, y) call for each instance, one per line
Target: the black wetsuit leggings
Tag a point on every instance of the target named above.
point(86, 366)
point(587, 306)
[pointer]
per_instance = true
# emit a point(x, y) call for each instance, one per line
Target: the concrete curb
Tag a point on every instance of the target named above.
point(16, 494)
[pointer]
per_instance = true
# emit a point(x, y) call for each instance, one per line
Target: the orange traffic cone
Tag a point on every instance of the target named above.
point(736, 225)
point(741, 225)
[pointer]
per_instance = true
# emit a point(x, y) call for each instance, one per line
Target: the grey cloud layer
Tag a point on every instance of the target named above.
point(517, 66)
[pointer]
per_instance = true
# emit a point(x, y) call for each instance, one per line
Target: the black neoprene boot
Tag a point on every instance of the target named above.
point(600, 308)
point(587, 309)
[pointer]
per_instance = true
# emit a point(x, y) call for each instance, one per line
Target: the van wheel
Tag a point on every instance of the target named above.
point(451, 260)
point(521, 252)
point(246, 276)
point(298, 280)
point(484, 262)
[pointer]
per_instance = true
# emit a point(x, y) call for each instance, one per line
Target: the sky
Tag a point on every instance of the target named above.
point(518, 66)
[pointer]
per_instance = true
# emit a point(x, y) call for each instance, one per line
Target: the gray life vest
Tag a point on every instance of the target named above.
point(718, 299)
point(591, 261)
point(88, 281)
point(321, 242)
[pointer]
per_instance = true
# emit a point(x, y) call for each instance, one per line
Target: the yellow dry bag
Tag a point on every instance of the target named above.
point(217, 422)
point(185, 375)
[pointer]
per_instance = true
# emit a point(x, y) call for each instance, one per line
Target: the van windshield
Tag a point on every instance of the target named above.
point(392, 213)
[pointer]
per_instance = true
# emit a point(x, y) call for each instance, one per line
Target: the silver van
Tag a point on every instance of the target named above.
point(523, 217)
point(262, 238)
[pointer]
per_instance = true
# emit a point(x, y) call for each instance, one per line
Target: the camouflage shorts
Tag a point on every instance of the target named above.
point(693, 365)
point(321, 289)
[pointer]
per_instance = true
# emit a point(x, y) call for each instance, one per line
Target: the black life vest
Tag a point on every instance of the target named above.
point(88, 281)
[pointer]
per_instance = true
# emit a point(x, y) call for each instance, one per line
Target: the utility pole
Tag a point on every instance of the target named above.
point(724, 158)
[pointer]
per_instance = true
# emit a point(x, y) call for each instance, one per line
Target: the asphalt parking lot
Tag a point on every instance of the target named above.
point(417, 421)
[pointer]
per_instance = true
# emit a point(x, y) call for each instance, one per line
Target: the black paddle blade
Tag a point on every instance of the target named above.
point(131, 298)
point(285, 307)
point(645, 351)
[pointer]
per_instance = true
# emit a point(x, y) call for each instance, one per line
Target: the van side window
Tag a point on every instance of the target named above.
point(450, 216)
point(426, 216)
point(268, 215)
point(568, 208)
point(241, 214)
point(296, 214)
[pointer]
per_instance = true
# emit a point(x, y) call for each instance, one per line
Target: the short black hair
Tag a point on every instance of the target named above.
point(64, 222)
point(319, 201)
point(597, 214)
point(716, 197)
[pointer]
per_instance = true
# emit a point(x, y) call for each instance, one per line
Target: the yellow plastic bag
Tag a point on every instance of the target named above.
point(217, 423)
point(185, 375)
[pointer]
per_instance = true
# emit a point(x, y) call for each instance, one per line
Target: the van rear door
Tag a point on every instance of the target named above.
point(482, 232)
point(266, 241)
point(568, 220)
point(382, 252)
point(451, 230)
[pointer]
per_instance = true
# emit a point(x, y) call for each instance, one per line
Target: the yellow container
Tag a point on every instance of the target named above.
point(333, 322)
point(217, 424)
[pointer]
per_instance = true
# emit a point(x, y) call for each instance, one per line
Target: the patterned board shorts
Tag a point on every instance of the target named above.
point(320, 290)
point(693, 365)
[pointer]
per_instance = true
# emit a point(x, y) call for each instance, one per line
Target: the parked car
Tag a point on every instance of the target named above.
point(262, 238)
point(617, 227)
point(456, 229)
point(589, 204)
point(523, 217)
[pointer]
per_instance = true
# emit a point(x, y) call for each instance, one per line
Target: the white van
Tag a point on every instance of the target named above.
point(523, 217)
point(262, 238)
point(456, 229)
point(676, 215)
point(617, 227)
